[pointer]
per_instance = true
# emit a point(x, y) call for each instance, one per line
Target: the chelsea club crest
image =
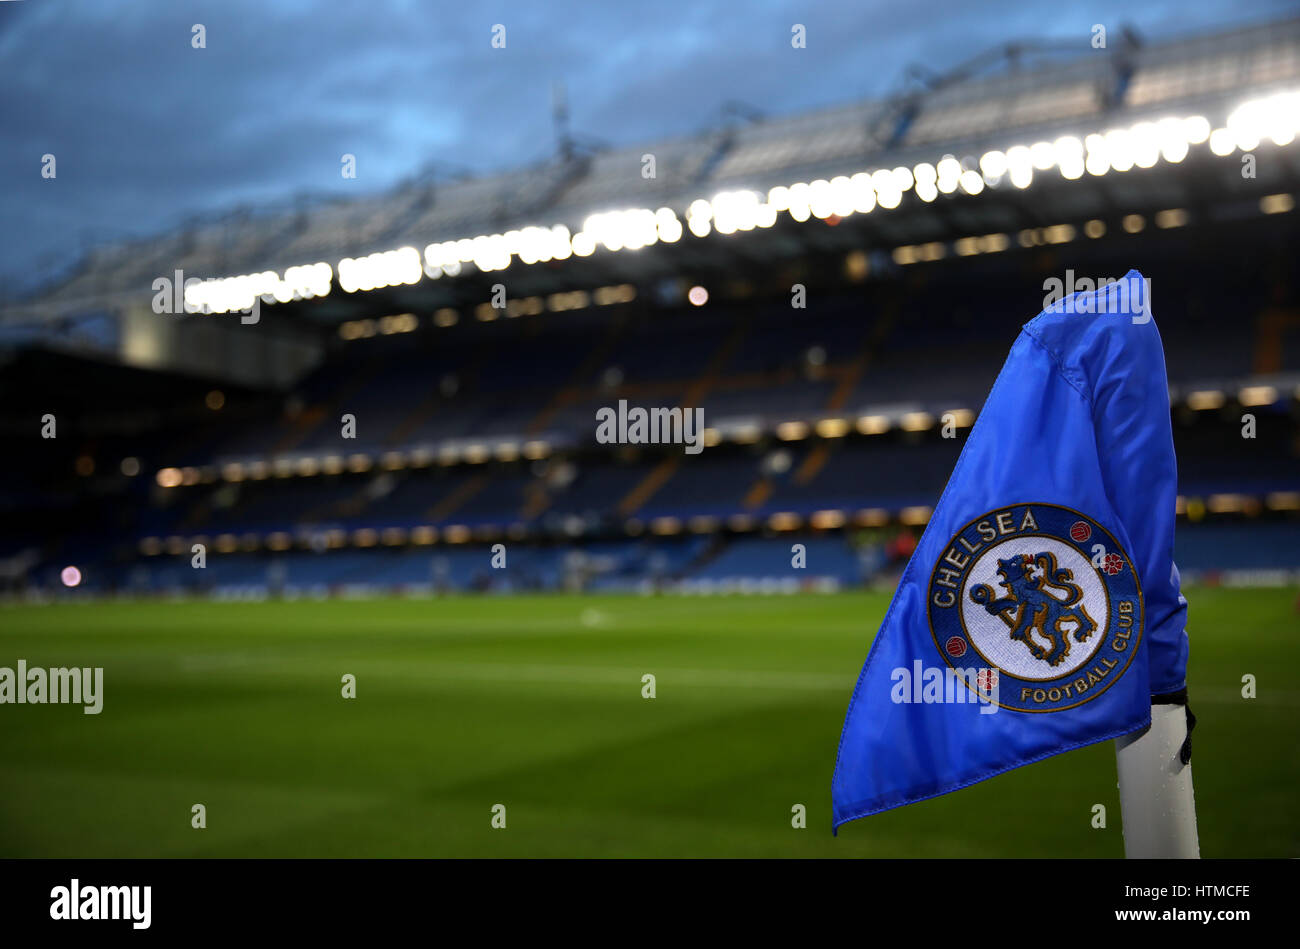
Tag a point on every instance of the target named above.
point(1043, 595)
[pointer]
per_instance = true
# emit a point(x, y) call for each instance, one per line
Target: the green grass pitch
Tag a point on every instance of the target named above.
point(535, 703)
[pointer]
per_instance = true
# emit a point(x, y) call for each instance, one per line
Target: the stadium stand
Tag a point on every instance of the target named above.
point(832, 425)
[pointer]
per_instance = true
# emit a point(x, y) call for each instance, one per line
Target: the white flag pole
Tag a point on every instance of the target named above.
point(1155, 788)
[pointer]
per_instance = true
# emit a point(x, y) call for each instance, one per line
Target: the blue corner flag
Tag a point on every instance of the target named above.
point(1041, 609)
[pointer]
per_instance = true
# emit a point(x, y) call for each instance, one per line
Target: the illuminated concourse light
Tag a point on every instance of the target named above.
point(1205, 399)
point(784, 521)
point(961, 418)
point(917, 421)
point(915, 515)
point(70, 576)
point(1174, 217)
point(871, 517)
point(1276, 203)
point(697, 295)
point(1257, 395)
point(1283, 501)
point(873, 424)
point(828, 520)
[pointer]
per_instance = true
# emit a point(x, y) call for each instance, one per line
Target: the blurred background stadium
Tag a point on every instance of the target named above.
point(921, 253)
point(923, 227)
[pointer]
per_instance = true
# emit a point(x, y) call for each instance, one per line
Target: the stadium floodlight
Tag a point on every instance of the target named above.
point(387, 269)
point(1222, 142)
point(885, 183)
point(228, 294)
point(993, 165)
point(1098, 160)
point(670, 229)
point(1276, 117)
point(699, 216)
point(1196, 129)
point(1068, 153)
point(1043, 155)
point(1020, 164)
point(1146, 144)
point(819, 199)
point(862, 193)
point(799, 199)
point(902, 178)
point(842, 195)
point(1172, 136)
point(735, 211)
point(972, 182)
point(949, 170)
point(889, 199)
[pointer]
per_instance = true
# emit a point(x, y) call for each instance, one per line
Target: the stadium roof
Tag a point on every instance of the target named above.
point(958, 116)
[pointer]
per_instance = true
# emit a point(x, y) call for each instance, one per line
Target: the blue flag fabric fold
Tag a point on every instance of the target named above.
point(1041, 608)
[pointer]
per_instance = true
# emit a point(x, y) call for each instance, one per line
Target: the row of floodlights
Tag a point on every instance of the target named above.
point(856, 264)
point(1274, 118)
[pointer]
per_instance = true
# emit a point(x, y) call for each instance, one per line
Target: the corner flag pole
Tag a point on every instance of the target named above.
point(1155, 787)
